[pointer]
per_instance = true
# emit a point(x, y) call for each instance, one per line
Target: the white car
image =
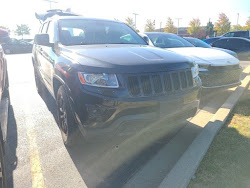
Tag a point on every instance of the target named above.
point(216, 68)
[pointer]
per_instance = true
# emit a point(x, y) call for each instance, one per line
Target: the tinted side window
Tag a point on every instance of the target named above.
point(220, 43)
point(246, 44)
point(229, 35)
point(236, 43)
point(240, 34)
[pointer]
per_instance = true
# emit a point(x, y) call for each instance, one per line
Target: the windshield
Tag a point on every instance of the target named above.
point(168, 41)
point(84, 32)
point(198, 42)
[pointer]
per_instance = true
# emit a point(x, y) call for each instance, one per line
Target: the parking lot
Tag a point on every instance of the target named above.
point(36, 155)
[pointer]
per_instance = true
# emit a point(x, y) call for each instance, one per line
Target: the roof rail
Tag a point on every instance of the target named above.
point(52, 12)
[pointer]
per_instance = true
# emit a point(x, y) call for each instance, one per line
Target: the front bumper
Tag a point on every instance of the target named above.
point(220, 77)
point(101, 116)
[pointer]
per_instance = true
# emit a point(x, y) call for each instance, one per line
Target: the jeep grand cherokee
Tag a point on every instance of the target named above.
point(103, 76)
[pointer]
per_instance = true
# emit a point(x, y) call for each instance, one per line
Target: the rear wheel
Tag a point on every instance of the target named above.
point(69, 130)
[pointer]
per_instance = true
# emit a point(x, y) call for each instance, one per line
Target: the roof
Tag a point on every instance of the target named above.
point(241, 38)
point(84, 18)
point(159, 33)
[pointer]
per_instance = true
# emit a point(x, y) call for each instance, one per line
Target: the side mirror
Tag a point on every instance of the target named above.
point(4, 36)
point(42, 39)
point(146, 39)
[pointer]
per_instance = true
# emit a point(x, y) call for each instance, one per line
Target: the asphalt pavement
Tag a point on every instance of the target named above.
point(37, 157)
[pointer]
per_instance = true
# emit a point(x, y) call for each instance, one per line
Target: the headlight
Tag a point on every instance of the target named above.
point(195, 70)
point(99, 80)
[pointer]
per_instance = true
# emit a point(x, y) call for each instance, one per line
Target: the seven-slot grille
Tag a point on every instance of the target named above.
point(159, 83)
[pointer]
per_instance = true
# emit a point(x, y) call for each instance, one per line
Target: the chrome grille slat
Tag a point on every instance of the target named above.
point(153, 84)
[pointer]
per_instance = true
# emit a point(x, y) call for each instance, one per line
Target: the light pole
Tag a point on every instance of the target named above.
point(237, 21)
point(50, 1)
point(135, 19)
point(160, 26)
point(178, 24)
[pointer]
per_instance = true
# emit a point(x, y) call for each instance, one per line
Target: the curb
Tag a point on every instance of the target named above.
point(185, 168)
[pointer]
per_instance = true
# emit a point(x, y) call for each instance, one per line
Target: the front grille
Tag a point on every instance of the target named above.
point(159, 83)
point(224, 68)
point(220, 78)
point(133, 85)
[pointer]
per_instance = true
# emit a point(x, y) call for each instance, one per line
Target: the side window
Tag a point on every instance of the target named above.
point(220, 43)
point(246, 44)
point(51, 32)
point(44, 29)
point(240, 34)
point(236, 44)
point(229, 34)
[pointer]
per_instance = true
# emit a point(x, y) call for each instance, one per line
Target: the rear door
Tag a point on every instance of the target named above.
point(49, 57)
point(40, 56)
point(241, 47)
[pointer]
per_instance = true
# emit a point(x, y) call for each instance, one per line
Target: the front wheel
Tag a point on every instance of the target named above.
point(68, 127)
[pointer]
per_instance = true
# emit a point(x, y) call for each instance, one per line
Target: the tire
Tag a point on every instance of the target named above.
point(3, 180)
point(67, 124)
point(6, 88)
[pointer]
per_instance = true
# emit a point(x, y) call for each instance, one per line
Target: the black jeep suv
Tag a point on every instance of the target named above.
point(104, 76)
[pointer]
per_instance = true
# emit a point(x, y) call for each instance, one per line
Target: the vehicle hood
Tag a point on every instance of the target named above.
point(206, 56)
point(226, 50)
point(124, 58)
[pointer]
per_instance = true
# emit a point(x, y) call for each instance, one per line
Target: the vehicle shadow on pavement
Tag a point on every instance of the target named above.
point(112, 163)
point(50, 103)
point(10, 147)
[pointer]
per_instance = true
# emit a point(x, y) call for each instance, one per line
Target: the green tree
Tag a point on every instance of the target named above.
point(247, 27)
point(170, 28)
point(235, 28)
point(22, 29)
point(130, 22)
point(195, 27)
point(5, 28)
point(149, 27)
point(210, 28)
point(223, 24)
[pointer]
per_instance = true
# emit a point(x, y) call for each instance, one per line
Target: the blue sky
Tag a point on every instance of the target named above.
point(14, 12)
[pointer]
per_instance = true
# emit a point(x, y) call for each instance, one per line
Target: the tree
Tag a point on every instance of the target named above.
point(236, 28)
point(5, 28)
point(22, 29)
point(170, 28)
point(195, 27)
point(149, 27)
point(247, 27)
point(130, 22)
point(223, 24)
point(210, 28)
